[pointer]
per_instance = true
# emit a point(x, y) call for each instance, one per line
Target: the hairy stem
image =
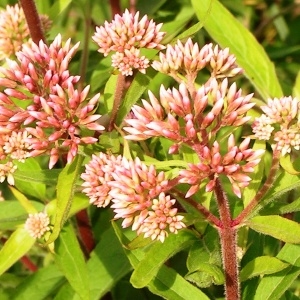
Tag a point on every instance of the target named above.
point(33, 20)
point(228, 244)
point(266, 186)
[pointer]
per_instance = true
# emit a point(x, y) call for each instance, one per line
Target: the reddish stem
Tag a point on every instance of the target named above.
point(228, 243)
point(254, 202)
point(85, 231)
point(115, 7)
point(29, 264)
point(33, 20)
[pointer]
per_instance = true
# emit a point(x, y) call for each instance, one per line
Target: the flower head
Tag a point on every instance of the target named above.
point(136, 192)
point(56, 113)
point(37, 224)
point(185, 59)
point(125, 36)
point(280, 124)
point(233, 164)
point(14, 31)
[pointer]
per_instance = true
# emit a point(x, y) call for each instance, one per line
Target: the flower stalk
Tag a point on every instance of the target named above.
point(33, 20)
point(228, 234)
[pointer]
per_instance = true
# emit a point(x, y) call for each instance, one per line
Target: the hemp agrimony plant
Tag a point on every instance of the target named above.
point(166, 179)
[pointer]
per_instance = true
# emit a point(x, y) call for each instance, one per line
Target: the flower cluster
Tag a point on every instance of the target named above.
point(54, 112)
point(13, 146)
point(194, 116)
point(37, 224)
point(186, 60)
point(14, 31)
point(280, 124)
point(234, 164)
point(126, 35)
point(137, 193)
point(181, 118)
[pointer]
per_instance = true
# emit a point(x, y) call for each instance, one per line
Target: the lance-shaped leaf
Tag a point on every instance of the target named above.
point(274, 286)
point(262, 265)
point(18, 244)
point(167, 283)
point(65, 193)
point(278, 227)
point(158, 254)
point(227, 31)
point(70, 261)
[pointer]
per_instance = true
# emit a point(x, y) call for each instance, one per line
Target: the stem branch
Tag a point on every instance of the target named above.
point(254, 202)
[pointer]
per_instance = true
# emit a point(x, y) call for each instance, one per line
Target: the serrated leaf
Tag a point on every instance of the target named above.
point(278, 227)
point(18, 244)
point(65, 192)
point(40, 284)
point(272, 287)
point(227, 31)
point(157, 255)
point(70, 260)
point(261, 266)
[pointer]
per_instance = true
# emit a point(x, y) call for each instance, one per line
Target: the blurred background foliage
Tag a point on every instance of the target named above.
point(276, 26)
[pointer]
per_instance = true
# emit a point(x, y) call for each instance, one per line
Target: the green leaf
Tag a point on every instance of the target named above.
point(158, 254)
point(28, 206)
point(278, 227)
point(109, 92)
point(18, 244)
point(261, 266)
point(287, 165)
point(167, 283)
point(65, 193)
point(40, 284)
point(296, 88)
point(227, 31)
point(214, 272)
point(283, 184)
point(70, 260)
point(31, 188)
point(38, 176)
point(137, 88)
point(274, 286)
point(107, 265)
point(12, 213)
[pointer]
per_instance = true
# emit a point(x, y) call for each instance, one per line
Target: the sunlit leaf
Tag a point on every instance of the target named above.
point(70, 260)
point(160, 252)
point(276, 226)
point(65, 193)
point(227, 31)
point(274, 286)
point(262, 265)
point(18, 244)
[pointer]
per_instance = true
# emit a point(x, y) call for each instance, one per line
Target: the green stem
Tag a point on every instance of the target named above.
point(228, 235)
point(33, 20)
